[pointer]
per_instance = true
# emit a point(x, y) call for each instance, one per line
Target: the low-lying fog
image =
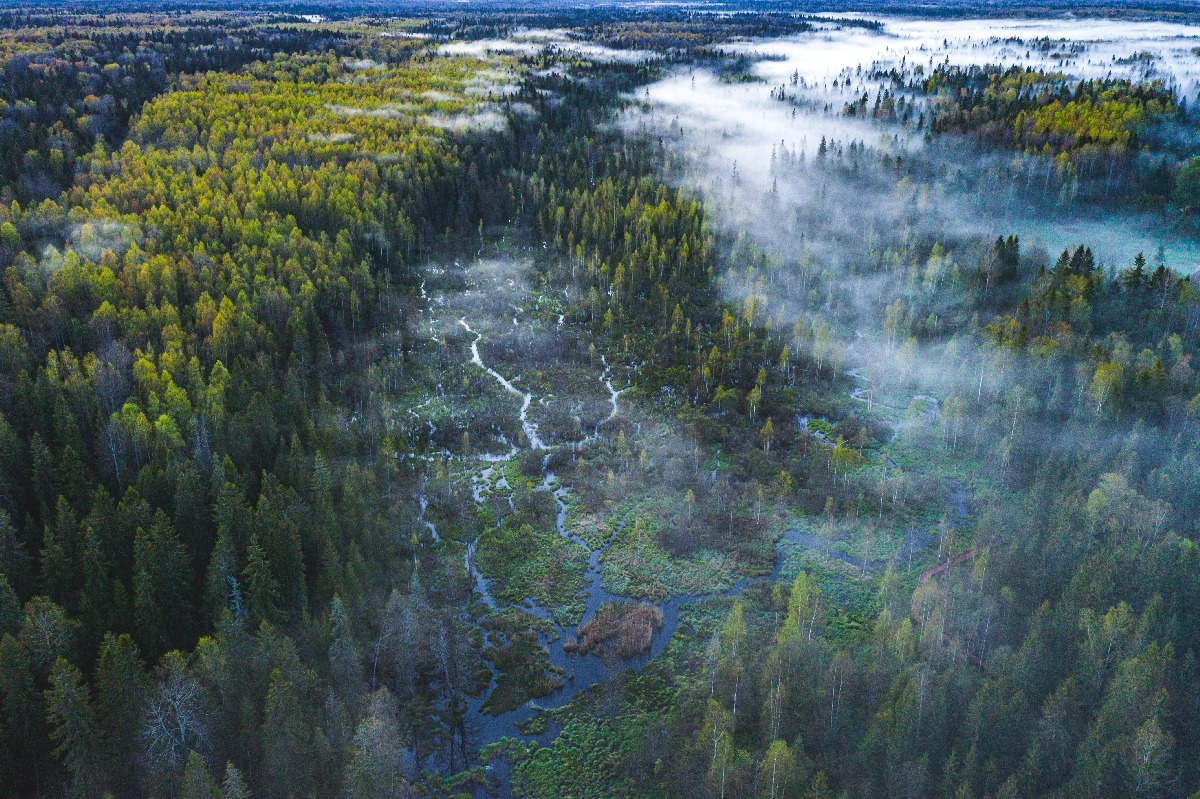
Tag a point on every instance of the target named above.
point(733, 133)
point(532, 41)
point(1085, 48)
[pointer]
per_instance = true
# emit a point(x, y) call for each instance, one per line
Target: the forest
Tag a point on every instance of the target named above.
point(615, 402)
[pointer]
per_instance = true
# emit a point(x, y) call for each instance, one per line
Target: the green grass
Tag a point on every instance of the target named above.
point(635, 566)
point(523, 562)
point(820, 426)
point(523, 669)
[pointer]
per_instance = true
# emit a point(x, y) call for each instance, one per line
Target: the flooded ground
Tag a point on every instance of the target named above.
point(492, 318)
point(731, 139)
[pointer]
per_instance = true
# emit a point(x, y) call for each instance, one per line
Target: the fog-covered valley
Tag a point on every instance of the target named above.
point(741, 133)
point(640, 401)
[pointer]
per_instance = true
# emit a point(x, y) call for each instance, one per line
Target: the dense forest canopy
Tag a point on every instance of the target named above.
point(495, 402)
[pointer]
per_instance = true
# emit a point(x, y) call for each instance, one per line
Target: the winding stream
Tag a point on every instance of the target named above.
point(586, 670)
point(531, 434)
point(582, 671)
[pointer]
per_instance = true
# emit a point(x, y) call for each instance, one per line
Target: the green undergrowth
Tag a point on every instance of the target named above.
point(594, 529)
point(606, 726)
point(523, 562)
point(523, 671)
point(851, 593)
point(635, 565)
point(459, 785)
point(508, 621)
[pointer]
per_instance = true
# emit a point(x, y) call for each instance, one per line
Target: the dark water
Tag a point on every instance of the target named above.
point(584, 671)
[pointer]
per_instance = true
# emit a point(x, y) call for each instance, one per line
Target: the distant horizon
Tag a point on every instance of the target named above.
point(984, 8)
point(525, 400)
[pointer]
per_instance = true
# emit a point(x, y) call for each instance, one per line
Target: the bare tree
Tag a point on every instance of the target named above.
point(174, 722)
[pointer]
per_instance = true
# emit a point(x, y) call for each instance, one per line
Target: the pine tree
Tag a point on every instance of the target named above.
point(161, 587)
point(198, 783)
point(262, 594)
point(234, 785)
point(96, 609)
point(14, 559)
point(278, 532)
point(121, 687)
point(345, 659)
point(23, 732)
point(60, 556)
point(73, 727)
point(192, 518)
point(10, 608)
point(287, 766)
point(223, 583)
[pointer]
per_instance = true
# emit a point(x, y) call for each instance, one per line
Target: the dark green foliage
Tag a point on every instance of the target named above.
point(1187, 185)
point(214, 577)
point(73, 727)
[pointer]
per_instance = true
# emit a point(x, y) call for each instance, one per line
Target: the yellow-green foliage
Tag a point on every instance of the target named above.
point(1110, 123)
point(240, 191)
point(1044, 112)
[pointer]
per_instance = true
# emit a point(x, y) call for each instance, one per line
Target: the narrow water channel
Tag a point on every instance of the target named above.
point(583, 671)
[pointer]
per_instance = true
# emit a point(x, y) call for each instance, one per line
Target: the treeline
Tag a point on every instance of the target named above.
point(202, 516)
point(680, 32)
point(1139, 324)
point(1105, 139)
point(663, 31)
point(79, 86)
point(35, 17)
point(1027, 109)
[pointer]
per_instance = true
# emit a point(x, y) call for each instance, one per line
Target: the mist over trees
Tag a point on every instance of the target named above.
point(424, 407)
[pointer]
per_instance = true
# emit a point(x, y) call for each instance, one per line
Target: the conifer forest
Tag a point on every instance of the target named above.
point(736, 400)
